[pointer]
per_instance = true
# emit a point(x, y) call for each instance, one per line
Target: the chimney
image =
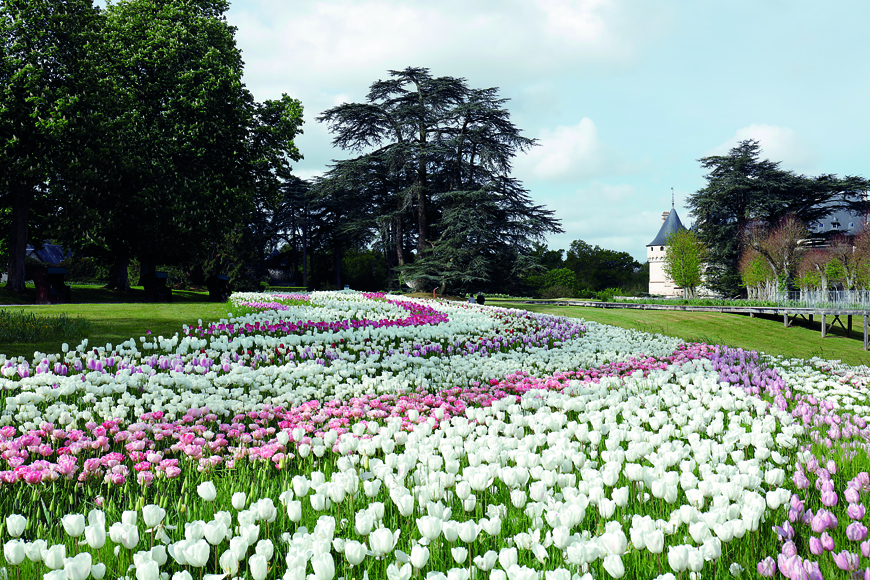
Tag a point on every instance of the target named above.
point(665, 216)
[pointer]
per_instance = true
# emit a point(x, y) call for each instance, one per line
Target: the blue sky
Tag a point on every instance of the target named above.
point(624, 95)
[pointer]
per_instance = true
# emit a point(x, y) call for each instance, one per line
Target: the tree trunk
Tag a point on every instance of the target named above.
point(338, 267)
point(305, 251)
point(400, 242)
point(147, 268)
point(422, 225)
point(118, 279)
point(18, 240)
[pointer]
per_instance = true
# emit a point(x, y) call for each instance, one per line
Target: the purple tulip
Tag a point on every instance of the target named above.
point(865, 549)
point(832, 520)
point(827, 542)
point(846, 560)
point(829, 498)
point(856, 532)
point(816, 546)
point(856, 511)
point(796, 503)
point(832, 467)
point(800, 480)
point(789, 549)
point(767, 567)
point(819, 522)
point(851, 495)
point(786, 531)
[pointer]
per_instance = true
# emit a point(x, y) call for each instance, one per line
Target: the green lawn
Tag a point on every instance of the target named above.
point(761, 333)
point(115, 323)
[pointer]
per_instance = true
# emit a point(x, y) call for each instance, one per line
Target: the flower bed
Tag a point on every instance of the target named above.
point(346, 434)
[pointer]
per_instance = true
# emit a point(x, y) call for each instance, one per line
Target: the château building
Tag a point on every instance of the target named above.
point(659, 283)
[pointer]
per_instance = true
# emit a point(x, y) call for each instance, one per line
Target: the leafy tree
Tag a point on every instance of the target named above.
point(443, 151)
point(598, 268)
point(780, 246)
point(45, 77)
point(188, 152)
point(743, 189)
point(812, 269)
point(757, 276)
point(561, 277)
point(684, 261)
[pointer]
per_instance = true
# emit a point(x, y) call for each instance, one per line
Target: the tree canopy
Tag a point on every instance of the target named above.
point(743, 189)
point(436, 155)
point(684, 261)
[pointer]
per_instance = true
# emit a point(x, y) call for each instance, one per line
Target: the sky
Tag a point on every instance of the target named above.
point(623, 96)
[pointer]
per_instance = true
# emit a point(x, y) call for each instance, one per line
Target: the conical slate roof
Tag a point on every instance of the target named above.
point(671, 225)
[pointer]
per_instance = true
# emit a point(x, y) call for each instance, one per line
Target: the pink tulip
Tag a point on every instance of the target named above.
point(856, 532)
point(829, 498)
point(827, 542)
point(855, 511)
point(815, 546)
point(767, 567)
point(846, 560)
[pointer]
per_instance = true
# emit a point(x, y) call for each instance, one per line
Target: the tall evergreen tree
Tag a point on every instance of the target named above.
point(445, 151)
point(742, 189)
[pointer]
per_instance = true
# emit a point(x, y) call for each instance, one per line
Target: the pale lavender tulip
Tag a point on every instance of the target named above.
point(767, 567)
point(846, 560)
point(856, 532)
point(856, 511)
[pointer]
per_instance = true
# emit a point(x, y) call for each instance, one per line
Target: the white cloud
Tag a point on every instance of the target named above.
point(331, 44)
point(617, 217)
point(777, 144)
point(570, 153)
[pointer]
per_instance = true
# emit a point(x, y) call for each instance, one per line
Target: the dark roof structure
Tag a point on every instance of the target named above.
point(671, 225)
point(50, 254)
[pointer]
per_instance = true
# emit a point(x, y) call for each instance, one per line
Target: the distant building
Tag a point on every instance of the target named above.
point(659, 283)
point(49, 254)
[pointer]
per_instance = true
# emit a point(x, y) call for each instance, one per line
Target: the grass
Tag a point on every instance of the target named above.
point(762, 333)
point(115, 323)
point(20, 326)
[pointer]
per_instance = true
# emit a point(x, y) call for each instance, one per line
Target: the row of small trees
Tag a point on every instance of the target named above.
point(780, 258)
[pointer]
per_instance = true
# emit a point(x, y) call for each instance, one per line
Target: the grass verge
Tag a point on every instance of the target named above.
point(115, 323)
point(765, 334)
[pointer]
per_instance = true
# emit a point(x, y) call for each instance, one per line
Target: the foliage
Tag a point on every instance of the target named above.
point(437, 154)
point(756, 275)
point(743, 189)
point(598, 268)
point(19, 326)
point(684, 261)
point(84, 269)
point(366, 271)
point(560, 277)
point(607, 294)
point(557, 291)
point(45, 80)
point(780, 246)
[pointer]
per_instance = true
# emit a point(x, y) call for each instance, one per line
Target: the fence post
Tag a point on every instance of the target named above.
point(824, 326)
point(785, 320)
point(865, 332)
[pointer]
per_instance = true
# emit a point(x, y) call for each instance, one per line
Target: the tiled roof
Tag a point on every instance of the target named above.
point(671, 225)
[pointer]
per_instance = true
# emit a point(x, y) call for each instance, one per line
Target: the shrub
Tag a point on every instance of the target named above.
point(557, 291)
point(607, 294)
